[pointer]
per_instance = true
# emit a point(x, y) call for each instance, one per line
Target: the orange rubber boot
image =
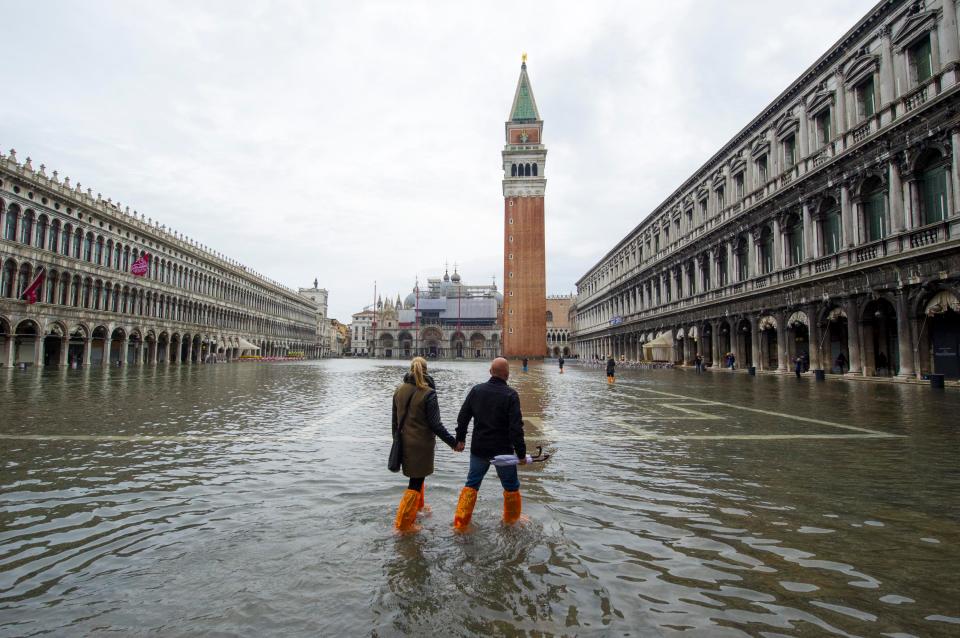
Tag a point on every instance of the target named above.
point(511, 507)
point(464, 513)
point(407, 512)
point(422, 507)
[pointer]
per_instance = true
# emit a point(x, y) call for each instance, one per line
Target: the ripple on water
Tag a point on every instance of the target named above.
point(270, 511)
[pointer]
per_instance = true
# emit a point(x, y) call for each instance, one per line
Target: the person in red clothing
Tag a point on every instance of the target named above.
point(494, 408)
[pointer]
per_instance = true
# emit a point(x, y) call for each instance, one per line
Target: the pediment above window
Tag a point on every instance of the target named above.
point(737, 164)
point(819, 101)
point(787, 125)
point(917, 24)
point(760, 146)
point(718, 179)
point(860, 67)
point(702, 192)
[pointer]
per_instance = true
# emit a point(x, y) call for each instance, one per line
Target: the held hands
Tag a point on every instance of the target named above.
point(458, 447)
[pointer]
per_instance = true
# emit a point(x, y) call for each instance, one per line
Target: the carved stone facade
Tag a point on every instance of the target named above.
point(192, 305)
point(446, 320)
point(827, 230)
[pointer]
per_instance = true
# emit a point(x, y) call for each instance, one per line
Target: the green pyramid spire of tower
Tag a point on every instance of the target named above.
point(524, 107)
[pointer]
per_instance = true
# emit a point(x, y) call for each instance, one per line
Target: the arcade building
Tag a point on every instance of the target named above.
point(827, 229)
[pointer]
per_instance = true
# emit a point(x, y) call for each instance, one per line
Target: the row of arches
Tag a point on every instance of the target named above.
point(528, 169)
point(80, 290)
point(432, 343)
point(27, 342)
point(73, 240)
point(876, 335)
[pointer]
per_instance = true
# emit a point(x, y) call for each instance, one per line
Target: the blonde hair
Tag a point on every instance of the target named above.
point(418, 369)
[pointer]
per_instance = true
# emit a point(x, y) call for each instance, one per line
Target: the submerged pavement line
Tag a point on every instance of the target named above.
point(793, 417)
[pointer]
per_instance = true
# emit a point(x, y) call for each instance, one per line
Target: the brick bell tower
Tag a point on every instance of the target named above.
point(524, 254)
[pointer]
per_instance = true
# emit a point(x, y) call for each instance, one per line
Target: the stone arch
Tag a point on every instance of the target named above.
point(27, 342)
point(939, 331)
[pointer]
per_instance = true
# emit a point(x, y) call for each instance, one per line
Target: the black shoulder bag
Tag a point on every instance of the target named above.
point(396, 450)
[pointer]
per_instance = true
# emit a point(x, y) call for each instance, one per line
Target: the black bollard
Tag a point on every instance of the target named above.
point(820, 375)
point(936, 380)
point(752, 371)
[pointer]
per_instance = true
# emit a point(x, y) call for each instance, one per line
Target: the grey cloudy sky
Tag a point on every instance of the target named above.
point(360, 141)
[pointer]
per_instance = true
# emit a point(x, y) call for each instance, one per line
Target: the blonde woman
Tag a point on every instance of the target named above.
point(416, 413)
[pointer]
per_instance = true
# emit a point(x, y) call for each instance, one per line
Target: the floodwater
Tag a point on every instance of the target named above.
point(254, 500)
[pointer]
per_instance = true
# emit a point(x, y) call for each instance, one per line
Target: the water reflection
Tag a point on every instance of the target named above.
point(252, 499)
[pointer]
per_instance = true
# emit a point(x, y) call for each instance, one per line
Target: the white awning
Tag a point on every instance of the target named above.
point(836, 314)
point(941, 303)
point(660, 349)
point(798, 318)
point(767, 323)
point(680, 333)
point(692, 332)
point(246, 345)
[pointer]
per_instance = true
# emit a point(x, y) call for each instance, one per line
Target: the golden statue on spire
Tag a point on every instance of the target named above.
point(523, 57)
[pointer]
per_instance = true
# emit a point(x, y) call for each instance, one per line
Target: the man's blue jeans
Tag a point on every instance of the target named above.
point(478, 469)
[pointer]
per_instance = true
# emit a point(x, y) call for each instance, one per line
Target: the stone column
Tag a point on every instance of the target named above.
point(949, 42)
point(783, 349)
point(853, 334)
point(734, 323)
point(8, 353)
point(841, 96)
point(846, 216)
point(756, 356)
point(64, 352)
point(716, 357)
point(911, 200)
point(813, 331)
point(38, 351)
point(887, 84)
point(804, 140)
point(778, 260)
point(125, 351)
point(955, 172)
point(88, 351)
point(895, 197)
point(730, 264)
point(808, 251)
point(189, 357)
point(904, 340)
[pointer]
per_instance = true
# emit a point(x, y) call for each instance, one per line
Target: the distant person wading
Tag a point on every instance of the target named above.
point(417, 413)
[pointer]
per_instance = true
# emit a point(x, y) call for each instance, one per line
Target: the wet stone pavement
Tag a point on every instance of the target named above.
point(253, 500)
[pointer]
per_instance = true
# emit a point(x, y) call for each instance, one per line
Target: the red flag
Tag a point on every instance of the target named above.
point(141, 266)
point(32, 293)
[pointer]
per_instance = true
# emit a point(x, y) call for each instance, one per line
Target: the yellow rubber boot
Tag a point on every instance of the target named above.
point(511, 507)
point(464, 513)
point(407, 512)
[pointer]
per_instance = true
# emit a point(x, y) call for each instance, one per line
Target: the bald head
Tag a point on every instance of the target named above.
point(500, 368)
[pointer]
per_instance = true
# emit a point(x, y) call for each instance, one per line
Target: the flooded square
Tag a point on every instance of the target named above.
point(254, 499)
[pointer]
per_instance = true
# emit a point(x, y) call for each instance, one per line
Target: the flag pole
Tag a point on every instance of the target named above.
point(373, 350)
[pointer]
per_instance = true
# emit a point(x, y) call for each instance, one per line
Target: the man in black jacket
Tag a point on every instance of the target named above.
point(497, 429)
